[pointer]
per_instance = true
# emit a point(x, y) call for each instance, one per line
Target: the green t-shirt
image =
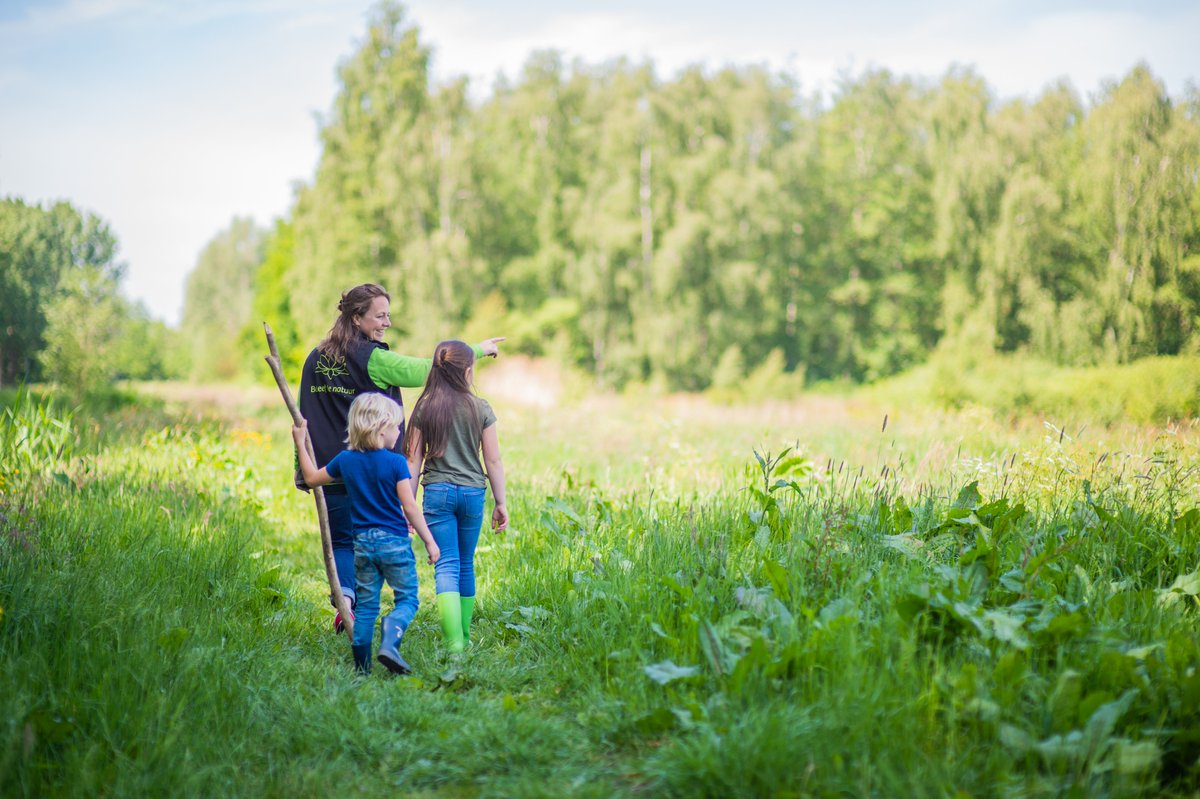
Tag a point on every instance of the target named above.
point(460, 464)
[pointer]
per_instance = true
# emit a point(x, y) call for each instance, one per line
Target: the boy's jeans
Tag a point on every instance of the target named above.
point(379, 556)
point(454, 514)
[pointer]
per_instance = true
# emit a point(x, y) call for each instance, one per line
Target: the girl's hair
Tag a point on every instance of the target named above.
point(355, 302)
point(370, 415)
point(446, 390)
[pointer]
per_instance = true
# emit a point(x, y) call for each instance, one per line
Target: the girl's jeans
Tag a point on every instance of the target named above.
point(454, 514)
point(378, 556)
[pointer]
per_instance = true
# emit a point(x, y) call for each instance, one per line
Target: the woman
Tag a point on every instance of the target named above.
point(352, 360)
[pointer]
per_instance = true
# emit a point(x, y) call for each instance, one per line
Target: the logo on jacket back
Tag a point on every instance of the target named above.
point(330, 369)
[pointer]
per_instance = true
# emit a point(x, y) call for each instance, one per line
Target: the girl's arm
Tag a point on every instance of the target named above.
point(495, 473)
point(415, 459)
point(417, 519)
point(312, 475)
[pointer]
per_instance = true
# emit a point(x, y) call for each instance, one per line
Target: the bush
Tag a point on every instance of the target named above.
point(1150, 391)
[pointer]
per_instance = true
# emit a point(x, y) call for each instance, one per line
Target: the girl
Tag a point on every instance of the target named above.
point(449, 426)
point(377, 482)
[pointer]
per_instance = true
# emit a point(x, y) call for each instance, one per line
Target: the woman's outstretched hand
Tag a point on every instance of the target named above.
point(490, 347)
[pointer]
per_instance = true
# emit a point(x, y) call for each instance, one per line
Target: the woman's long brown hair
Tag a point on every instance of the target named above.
point(355, 302)
point(446, 390)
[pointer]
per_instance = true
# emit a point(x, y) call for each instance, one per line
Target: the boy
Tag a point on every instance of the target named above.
point(380, 489)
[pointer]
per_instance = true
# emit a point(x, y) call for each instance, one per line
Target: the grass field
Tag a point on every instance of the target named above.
point(829, 597)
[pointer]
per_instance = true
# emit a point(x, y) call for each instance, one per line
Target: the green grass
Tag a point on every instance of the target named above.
point(942, 605)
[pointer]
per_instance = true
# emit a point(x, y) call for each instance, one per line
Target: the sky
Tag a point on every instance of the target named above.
point(167, 118)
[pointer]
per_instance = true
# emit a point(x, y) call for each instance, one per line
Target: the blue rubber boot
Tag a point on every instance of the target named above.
point(362, 658)
point(389, 648)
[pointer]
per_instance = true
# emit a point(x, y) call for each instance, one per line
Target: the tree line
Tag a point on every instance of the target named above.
point(689, 230)
point(699, 231)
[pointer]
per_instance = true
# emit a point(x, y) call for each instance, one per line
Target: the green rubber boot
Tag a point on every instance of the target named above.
point(450, 609)
point(468, 608)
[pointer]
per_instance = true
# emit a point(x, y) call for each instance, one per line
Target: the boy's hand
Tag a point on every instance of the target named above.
point(500, 518)
point(433, 552)
point(298, 433)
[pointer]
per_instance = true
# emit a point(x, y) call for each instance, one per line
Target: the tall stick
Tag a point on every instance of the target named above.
point(335, 587)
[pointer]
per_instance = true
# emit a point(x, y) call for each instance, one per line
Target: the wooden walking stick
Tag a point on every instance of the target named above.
point(335, 587)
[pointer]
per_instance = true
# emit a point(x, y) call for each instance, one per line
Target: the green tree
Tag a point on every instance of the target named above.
point(271, 304)
point(878, 274)
point(368, 213)
point(88, 323)
point(1135, 188)
point(47, 256)
point(218, 299)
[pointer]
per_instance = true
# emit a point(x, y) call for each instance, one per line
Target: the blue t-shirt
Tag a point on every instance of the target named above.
point(370, 479)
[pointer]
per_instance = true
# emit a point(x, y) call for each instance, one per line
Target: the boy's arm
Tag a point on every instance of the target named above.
point(417, 519)
point(495, 473)
point(312, 475)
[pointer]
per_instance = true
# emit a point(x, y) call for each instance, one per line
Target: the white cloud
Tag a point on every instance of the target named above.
point(1016, 59)
point(74, 13)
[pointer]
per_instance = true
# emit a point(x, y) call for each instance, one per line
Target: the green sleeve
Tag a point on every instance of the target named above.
point(386, 368)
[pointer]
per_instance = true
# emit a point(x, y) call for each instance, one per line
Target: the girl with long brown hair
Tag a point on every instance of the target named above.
point(449, 429)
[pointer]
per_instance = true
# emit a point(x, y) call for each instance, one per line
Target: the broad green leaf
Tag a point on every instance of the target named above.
point(524, 629)
point(1188, 522)
point(778, 577)
point(1104, 721)
point(1060, 749)
point(684, 591)
point(1143, 652)
point(754, 659)
point(840, 608)
point(907, 545)
point(712, 647)
point(1015, 739)
point(1007, 627)
point(902, 517)
point(658, 720)
point(1137, 757)
point(667, 671)
point(267, 577)
point(1064, 700)
point(969, 497)
point(1185, 585)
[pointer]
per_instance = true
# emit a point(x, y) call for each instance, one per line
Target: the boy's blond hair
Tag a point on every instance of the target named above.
point(370, 415)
